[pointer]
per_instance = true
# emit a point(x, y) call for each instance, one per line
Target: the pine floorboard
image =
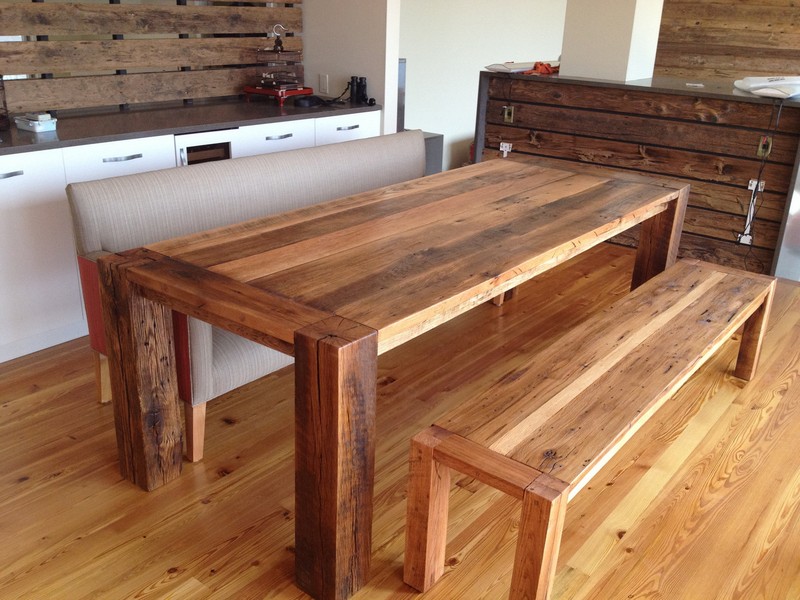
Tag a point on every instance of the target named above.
point(702, 504)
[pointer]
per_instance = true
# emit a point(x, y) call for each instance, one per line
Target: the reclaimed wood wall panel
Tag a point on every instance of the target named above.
point(84, 55)
point(643, 129)
point(54, 18)
point(713, 39)
point(103, 55)
point(133, 88)
point(712, 142)
point(635, 101)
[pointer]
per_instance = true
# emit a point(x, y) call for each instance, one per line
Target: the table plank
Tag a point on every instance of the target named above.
point(418, 277)
point(256, 314)
point(292, 247)
point(204, 248)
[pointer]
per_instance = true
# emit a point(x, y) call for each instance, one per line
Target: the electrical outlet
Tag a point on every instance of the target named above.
point(505, 148)
point(323, 83)
point(508, 114)
point(752, 185)
point(764, 146)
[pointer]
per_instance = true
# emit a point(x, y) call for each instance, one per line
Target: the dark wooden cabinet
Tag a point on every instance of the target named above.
point(708, 136)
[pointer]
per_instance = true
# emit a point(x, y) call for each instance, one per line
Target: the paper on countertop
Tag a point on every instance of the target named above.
point(772, 87)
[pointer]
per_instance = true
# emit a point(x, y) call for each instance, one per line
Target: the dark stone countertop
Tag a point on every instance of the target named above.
point(91, 127)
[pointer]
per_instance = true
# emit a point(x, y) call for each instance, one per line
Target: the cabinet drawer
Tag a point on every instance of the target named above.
point(274, 137)
point(342, 128)
point(40, 302)
point(125, 157)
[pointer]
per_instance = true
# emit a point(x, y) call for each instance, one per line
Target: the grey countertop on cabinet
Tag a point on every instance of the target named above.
point(721, 89)
point(92, 127)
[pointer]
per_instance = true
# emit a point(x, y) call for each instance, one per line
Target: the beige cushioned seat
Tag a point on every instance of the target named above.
point(120, 213)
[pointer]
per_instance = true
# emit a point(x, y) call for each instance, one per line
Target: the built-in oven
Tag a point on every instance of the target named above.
point(204, 146)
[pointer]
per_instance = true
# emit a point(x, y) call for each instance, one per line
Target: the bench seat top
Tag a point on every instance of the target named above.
point(569, 408)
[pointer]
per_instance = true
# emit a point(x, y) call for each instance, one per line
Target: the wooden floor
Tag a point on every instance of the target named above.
point(703, 504)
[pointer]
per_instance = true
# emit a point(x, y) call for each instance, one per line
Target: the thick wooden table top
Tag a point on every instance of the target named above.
point(337, 283)
point(401, 259)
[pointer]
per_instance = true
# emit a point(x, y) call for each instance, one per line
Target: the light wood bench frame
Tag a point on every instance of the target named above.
point(476, 441)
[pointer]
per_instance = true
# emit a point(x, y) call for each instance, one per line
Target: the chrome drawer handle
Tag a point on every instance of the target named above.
point(11, 174)
point(285, 136)
point(347, 127)
point(112, 159)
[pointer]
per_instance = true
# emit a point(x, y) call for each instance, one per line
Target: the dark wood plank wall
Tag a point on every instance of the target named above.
point(719, 39)
point(81, 55)
point(711, 142)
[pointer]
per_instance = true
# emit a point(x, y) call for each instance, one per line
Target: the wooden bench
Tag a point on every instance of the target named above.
point(544, 430)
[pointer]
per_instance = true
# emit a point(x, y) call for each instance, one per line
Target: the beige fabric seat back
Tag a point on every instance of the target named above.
point(126, 212)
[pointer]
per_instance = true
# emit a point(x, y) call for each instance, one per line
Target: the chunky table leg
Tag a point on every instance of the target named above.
point(752, 337)
point(659, 239)
point(144, 390)
point(335, 389)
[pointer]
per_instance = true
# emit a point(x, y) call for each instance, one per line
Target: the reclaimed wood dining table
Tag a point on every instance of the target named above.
point(337, 284)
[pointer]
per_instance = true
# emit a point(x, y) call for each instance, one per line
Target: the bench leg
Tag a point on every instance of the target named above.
point(752, 337)
point(428, 498)
point(195, 419)
point(544, 505)
point(509, 295)
point(102, 377)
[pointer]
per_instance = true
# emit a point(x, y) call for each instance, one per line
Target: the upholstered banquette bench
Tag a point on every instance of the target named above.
point(116, 214)
point(544, 430)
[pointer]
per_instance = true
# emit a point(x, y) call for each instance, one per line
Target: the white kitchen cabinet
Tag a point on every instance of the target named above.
point(124, 157)
point(40, 298)
point(40, 301)
point(266, 138)
point(342, 128)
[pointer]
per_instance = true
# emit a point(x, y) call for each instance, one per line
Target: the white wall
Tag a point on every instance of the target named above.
point(448, 42)
point(644, 41)
point(354, 37)
point(614, 39)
